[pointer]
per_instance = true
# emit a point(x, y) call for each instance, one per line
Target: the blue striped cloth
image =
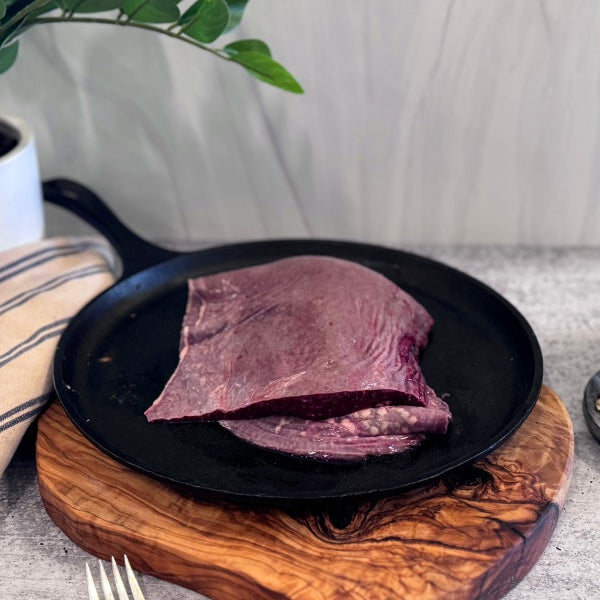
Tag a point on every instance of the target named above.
point(42, 286)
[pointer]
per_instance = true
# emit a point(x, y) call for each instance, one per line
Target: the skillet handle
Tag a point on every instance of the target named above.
point(135, 253)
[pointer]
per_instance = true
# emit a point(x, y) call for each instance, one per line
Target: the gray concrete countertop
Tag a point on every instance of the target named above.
point(557, 290)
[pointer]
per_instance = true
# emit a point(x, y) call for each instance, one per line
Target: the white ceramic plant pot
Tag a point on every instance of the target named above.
point(21, 206)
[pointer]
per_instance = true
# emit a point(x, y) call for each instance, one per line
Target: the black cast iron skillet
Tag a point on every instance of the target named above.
point(118, 352)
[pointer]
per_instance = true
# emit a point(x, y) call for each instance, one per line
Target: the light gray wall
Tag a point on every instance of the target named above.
point(462, 121)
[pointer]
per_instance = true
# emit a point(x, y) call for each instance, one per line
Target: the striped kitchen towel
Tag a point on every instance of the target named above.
point(42, 285)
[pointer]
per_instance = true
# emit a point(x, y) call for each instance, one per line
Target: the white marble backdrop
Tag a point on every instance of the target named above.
point(462, 121)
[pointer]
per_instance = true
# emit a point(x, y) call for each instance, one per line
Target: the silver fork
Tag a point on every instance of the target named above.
point(105, 583)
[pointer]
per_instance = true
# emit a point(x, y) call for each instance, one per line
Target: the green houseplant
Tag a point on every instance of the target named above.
point(197, 22)
point(200, 23)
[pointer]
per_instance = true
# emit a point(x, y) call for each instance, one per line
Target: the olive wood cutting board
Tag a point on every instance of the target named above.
point(472, 534)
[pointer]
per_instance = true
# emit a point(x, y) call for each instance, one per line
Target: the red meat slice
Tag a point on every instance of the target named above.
point(308, 336)
point(367, 432)
point(353, 448)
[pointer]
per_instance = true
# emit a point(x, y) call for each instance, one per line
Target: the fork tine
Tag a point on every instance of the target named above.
point(121, 590)
point(106, 589)
point(133, 584)
point(92, 591)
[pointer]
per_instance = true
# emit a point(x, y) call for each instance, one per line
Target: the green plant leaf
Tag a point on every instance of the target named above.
point(91, 6)
point(8, 55)
point(247, 46)
point(236, 12)
point(43, 10)
point(19, 3)
point(151, 11)
point(263, 67)
point(2, 8)
point(13, 7)
point(205, 20)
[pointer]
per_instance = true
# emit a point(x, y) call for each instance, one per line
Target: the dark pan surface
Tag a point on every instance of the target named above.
point(115, 357)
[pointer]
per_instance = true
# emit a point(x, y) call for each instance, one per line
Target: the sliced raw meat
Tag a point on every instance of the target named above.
point(367, 432)
point(344, 448)
point(308, 336)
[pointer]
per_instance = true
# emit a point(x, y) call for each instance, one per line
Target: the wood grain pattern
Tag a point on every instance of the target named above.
point(472, 534)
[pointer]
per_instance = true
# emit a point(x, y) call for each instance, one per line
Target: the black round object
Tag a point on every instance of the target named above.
point(116, 355)
point(591, 405)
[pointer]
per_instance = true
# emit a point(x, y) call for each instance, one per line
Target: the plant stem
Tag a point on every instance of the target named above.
point(145, 26)
point(73, 10)
point(136, 11)
point(22, 14)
